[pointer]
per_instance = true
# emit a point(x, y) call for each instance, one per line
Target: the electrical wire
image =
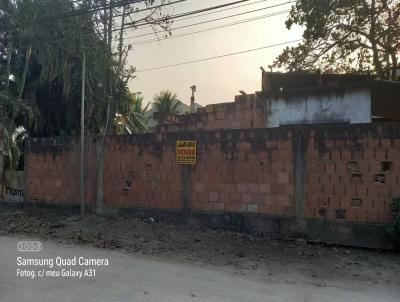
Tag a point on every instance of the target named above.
point(212, 20)
point(218, 57)
point(172, 17)
point(84, 11)
point(210, 13)
point(222, 10)
point(208, 29)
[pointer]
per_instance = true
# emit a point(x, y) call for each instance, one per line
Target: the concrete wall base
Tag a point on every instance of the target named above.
point(363, 235)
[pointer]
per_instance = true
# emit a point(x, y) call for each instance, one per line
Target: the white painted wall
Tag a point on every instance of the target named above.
point(352, 106)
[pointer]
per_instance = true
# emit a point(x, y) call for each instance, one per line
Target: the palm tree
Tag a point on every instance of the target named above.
point(16, 113)
point(132, 117)
point(166, 103)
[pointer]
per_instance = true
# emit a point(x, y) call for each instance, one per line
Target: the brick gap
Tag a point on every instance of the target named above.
point(340, 214)
point(356, 177)
point(353, 167)
point(356, 203)
point(386, 166)
point(380, 178)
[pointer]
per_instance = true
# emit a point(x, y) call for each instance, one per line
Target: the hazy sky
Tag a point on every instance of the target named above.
point(217, 80)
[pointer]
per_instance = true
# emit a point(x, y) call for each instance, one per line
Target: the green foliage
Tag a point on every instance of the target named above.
point(394, 229)
point(355, 36)
point(132, 117)
point(166, 102)
point(41, 67)
point(53, 78)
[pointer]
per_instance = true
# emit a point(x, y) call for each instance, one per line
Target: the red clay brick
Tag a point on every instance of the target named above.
point(213, 196)
point(362, 215)
point(244, 146)
point(252, 208)
point(235, 197)
point(242, 187)
point(264, 188)
point(386, 142)
point(281, 189)
point(253, 187)
point(246, 197)
point(283, 200)
point(199, 187)
point(218, 206)
point(283, 178)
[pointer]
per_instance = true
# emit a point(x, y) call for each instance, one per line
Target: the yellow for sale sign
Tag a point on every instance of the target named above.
point(186, 152)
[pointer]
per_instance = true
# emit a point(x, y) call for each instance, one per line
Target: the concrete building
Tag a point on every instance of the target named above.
point(298, 98)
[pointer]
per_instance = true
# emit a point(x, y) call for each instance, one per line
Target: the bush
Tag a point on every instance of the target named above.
point(394, 229)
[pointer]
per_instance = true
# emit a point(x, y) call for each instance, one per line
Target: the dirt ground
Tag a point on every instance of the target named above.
point(245, 253)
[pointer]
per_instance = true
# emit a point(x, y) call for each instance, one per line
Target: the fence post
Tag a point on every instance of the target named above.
point(186, 187)
point(300, 141)
point(100, 174)
point(26, 169)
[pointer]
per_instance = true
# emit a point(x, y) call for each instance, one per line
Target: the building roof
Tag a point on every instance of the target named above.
point(385, 95)
point(277, 81)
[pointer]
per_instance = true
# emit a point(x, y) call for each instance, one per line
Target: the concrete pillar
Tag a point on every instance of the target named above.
point(26, 170)
point(186, 187)
point(300, 142)
point(100, 151)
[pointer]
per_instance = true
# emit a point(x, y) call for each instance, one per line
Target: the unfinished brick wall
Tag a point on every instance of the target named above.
point(246, 112)
point(244, 171)
point(141, 172)
point(352, 175)
point(52, 171)
point(333, 172)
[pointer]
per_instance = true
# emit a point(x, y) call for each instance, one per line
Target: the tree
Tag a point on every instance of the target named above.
point(52, 51)
point(55, 35)
point(166, 103)
point(132, 117)
point(112, 18)
point(50, 38)
point(15, 113)
point(345, 36)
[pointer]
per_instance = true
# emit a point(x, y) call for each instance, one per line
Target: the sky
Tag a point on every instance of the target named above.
point(217, 80)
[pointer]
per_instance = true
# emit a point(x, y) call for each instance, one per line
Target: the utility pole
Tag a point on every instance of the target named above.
point(82, 161)
point(193, 87)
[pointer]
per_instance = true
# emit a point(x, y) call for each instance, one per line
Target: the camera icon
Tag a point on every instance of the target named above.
point(29, 246)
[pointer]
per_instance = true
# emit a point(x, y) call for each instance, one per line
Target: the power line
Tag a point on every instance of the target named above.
point(218, 57)
point(86, 33)
point(209, 29)
point(211, 12)
point(114, 16)
point(222, 10)
point(99, 8)
point(157, 20)
point(135, 25)
point(84, 11)
point(212, 20)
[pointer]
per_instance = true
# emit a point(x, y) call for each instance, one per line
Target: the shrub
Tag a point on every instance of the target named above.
point(394, 229)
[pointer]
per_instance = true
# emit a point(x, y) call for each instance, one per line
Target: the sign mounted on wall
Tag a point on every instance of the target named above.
point(186, 152)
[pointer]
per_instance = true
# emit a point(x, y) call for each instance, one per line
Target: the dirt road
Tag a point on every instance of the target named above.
point(158, 260)
point(137, 278)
